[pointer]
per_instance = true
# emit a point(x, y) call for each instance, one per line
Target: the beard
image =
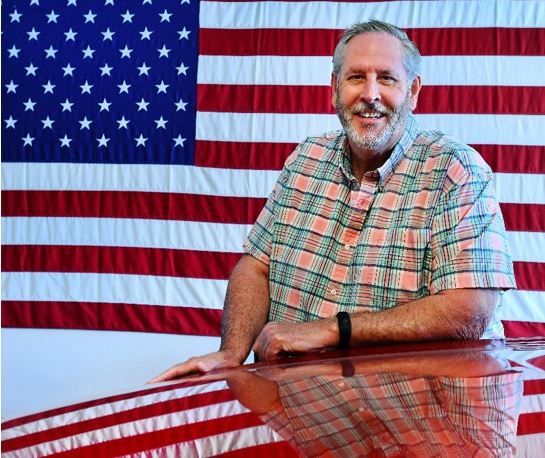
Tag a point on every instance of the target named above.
point(368, 137)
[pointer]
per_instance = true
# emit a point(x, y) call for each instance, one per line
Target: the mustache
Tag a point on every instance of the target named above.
point(375, 107)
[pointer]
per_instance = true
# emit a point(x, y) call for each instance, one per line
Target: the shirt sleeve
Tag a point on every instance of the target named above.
point(469, 245)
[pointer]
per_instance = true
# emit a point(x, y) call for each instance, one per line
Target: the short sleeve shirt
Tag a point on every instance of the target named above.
point(425, 221)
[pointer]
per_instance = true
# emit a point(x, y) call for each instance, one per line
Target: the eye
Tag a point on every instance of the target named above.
point(355, 77)
point(387, 79)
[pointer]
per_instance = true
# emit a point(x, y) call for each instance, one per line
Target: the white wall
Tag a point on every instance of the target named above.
point(42, 369)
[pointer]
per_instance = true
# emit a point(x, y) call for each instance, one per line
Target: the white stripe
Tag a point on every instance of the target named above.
point(530, 445)
point(527, 246)
point(316, 70)
point(133, 428)
point(333, 15)
point(523, 306)
point(108, 408)
point(511, 187)
point(533, 403)
point(126, 232)
point(293, 128)
point(132, 289)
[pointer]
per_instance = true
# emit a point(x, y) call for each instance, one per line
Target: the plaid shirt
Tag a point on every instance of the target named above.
point(397, 415)
point(425, 221)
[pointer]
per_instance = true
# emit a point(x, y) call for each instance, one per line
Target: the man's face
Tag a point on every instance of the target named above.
point(371, 95)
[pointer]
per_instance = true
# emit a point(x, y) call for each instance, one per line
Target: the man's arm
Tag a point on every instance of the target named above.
point(450, 314)
point(245, 313)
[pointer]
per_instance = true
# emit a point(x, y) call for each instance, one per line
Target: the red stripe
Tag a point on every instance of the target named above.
point(111, 317)
point(317, 99)
point(524, 217)
point(515, 329)
point(164, 437)
point(530, 276)
point(123, 204)
point(534, 387)
point(119, 260)
point(461, 41)
point(531, 423)
point(513, 158)
point(118, 418)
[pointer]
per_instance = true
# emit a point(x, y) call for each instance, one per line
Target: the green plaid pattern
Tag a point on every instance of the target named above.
point(427, 220)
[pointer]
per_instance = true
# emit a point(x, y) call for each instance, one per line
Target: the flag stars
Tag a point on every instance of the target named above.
point(47, 123)
point(88, 52)
point(179, 141)
point(165, 16)
point(85, 123)
point(185, 1)
point(48, 87)
point(125, 52)
point(143, 69)
point(105, 70)
point(161, 123)
point(35, 2)
point(90, 17)
point(70, 35)
point(109, 2)
point(10, 122)
point(146, 34)
point(162, 87)
point(33, 34)
point(50, 52)
point(68, 70)
point(184, 34)
point(180, 105)
point(104, 105)
point(27, 141)
point(29, 105)
point(103, 141)
point(146, 1)
point(86, 88)
point(108, 34)
point(11, 87)
point(72, 2)
point(66, 105)
point(14, 52)
point(142, 105)
point(123, 122)
point(182, 69)
point(124, 87)
point(127, 17)
point(31, 70)
point(163, 52)
point(52, 17)
point(15, 16)
point(141, 141)
point(65, 141)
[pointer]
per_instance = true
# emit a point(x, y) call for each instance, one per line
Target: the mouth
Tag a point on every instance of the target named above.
point(370, 115)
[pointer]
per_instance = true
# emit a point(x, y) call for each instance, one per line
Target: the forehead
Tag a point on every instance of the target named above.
point(373, 49)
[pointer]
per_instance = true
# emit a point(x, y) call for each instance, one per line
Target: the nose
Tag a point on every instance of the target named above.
point(370, 92)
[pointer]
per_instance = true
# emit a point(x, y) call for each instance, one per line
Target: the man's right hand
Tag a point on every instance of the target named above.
point(199, 365)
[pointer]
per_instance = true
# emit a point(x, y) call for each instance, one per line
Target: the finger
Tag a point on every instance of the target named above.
point(176, 371)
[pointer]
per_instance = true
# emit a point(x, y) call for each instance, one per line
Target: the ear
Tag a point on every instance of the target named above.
point(415, 90)
point(333, 90)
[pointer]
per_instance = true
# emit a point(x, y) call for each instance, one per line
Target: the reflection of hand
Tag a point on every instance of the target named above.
point(279, 339)
point(256, 393)
point(199, 365)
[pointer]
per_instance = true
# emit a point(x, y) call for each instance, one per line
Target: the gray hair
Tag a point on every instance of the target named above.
point(412, 54)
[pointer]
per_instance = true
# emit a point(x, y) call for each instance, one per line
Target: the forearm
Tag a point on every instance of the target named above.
point(246, 306)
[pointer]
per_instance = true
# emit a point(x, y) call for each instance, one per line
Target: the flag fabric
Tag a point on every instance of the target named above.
point(140, 140)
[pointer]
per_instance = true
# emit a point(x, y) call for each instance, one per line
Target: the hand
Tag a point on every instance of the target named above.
point(199, 365)
point(278, 339)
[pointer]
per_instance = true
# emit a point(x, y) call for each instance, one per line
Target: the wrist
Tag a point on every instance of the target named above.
point(345, 329)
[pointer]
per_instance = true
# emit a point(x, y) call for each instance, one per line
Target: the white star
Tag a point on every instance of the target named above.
point(162, 87)
point(27, 140)
point(29, 104)
point(90, 17)
point(143, 69)
point(141, 141)
point(85, 123)
point(66, 105)
point(179, 141)
point(123, 122)
point(72, 2)
point(10, 122)
point(68, 70)
point(163, 52)
point(146, 1)
point(124, 87)
point(184, 34)
point(180, 105)
point(105, 70)
point(50, 52)
point(145, 34)
point(15, 16)
point(103, 141)
point(108, 34)
point(48, 123)
point(127, 17)
point(31, 70)
point(34, 2)
point(88, 52)
point(70, 35)
point(65, 141)
point(52, 17)
point(86, 87)
point(12, 87)
point(14, 52)
point(104, 105)
point(109, 2)
point(182, 69)
point(161, 123)
point(125, 52)
point(184, 1)
point(142, 105)
point(165, 16)
point(33, 34)
point(48, 87)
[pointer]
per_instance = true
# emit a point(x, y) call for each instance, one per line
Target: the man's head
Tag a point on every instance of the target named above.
point(375, 83)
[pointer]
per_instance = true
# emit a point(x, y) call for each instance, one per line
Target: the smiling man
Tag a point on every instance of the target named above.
point(380, 232)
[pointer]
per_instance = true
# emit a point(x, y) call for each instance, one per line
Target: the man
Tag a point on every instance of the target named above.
point(395, 228)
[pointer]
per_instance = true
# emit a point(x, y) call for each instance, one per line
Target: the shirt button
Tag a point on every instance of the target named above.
point(333, 291)
point(348, 246)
